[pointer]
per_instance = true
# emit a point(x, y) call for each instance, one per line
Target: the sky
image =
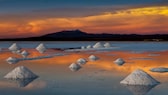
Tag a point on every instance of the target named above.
point(28, 18)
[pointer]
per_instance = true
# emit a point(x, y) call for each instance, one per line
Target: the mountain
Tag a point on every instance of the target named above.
point(78, 35)
point(67, 34)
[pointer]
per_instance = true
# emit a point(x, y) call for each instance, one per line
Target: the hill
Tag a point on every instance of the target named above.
point(77, 35)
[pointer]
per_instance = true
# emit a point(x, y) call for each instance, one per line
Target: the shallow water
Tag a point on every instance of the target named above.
point(101, 77)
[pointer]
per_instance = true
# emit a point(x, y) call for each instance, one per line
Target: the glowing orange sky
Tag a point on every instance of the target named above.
point(147, 20)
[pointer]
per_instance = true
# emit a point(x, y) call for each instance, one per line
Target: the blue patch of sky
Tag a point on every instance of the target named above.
point(14, 6)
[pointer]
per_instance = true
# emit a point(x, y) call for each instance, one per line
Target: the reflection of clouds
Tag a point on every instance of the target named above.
point(106, 61)
point(154, 55)
point(111, 54)
point(139, 89)
point(141, 58)
point(137, 52)
point(139, 61)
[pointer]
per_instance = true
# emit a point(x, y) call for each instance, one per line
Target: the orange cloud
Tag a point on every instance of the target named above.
point(141, 20)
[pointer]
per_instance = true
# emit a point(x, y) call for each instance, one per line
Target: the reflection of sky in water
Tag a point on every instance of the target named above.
point(101, 77)
point(131, 46)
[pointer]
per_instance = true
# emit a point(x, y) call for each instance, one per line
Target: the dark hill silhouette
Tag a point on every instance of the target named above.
point(67, 34)
point(77, 35)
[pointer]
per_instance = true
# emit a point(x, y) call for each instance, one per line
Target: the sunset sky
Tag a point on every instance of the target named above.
point(27, 18)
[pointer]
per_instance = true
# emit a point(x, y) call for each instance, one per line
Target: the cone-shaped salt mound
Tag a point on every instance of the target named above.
point(83, 47)
point(41, 48)
point(74, 67)
point(107, 45)
point(93, 58)
point(119, 61)
point(21, 72)
point(98, 45)
point(89, 46)
point(139, 77)
point(81, 61)
point(18, 51)
point(24, 53)
point(14, 47)
point(12, 60)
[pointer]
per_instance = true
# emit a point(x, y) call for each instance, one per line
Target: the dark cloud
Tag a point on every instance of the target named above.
point(77, 12)
point(16, 6)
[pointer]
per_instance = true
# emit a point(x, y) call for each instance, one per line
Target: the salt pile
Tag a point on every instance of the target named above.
point(20, 72)
point(98, 45)
point(119, 61)
point(89, 46)
point(93, 58)
point(107, 45)
point(81, 61)
point(12, 60)
point(159, 69)
point(74, 67)
point(18, 51)
point(139, 77)
point(41, 48)
point(24, 53)
point(83, 47)
point(14, 47)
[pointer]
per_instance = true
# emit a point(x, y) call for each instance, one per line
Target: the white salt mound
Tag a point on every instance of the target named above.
point(41, 48)
point(107, 45)
point(81, 61)
point(24, 53)
point(98, 45)
point(89, 46)
point(119, 61)
point(159, 69)
point(14, 47)
point(20, 72)
point(74, 67)
point(139, 77)
point(16, 52)
point(83, 47)
point(12, 60)
point(93, 58)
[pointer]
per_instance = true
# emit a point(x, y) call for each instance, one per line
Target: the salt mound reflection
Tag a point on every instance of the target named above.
point(22, 82)
point(140, 89)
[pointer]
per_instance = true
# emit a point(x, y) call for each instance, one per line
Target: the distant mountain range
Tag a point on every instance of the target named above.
point(77, 35)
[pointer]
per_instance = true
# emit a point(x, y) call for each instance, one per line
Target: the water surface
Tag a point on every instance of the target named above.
point(101, 77)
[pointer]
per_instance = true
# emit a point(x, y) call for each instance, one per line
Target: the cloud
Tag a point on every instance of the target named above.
point(146, 20)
